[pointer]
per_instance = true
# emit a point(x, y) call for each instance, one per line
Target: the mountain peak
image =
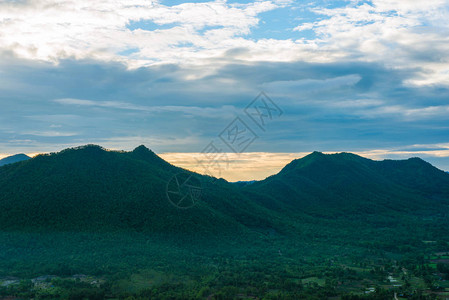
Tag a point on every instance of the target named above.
point(417, 159)
point(312, 156)
point(142, 149)
point(316, 153)
point(142, 152)
point(317, 158)
point(88, 147)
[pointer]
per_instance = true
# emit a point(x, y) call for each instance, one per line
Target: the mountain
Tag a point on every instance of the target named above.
point(90, 188)
point(344, 191)
point(13, 159)
point(324, 226)
point(352, 183)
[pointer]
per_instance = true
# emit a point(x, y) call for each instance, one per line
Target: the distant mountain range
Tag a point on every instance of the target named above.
point(90, 188)
point(13, 159)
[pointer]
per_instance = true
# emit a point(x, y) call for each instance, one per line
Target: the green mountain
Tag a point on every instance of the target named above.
point(324, 226)
point(332, 195)
point(13, 159)
point(347, 184)
point(90, 188)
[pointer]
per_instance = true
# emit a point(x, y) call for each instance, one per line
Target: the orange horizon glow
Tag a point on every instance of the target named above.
point(259, 165)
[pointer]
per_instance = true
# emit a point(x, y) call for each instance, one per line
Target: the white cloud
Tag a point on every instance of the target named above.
point(51, 30)
point(398, 33)
point(385, 30)
point(305, 26)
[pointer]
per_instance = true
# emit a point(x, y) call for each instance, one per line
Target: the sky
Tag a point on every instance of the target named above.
point(185, 78)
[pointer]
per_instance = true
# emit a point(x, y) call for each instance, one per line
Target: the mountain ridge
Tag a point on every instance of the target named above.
point(89, 187)
point(351, 183)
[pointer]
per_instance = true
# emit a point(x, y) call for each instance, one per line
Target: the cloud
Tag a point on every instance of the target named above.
point(349, 75)
point(312, 85)
point(175, 108)
point(397, 33)
point(205, 112)
point(50, 133)
point(138, 33)
point(51, 30)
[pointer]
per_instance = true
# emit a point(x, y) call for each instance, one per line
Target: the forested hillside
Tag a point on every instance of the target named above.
point(325, 225)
